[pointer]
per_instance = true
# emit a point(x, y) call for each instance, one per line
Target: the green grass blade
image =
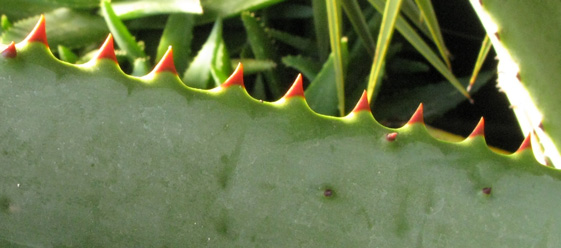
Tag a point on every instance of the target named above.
point(410, 10)
point(416, 41)
point(430, 17)
point(354, 13)
point(391, 12)
point(141, 8)
point(321, 28)
point(178, 33)
point(125, 40)
point(483, 52)
point(334, 23)
point(262, 48)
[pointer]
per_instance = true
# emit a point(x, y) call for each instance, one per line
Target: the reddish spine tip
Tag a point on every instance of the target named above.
point(391, 136)
point(107, 50)
point(39, 33)
point(297, 89)
point(10, 51)
point(479, 130)
point(236, 78)
point(166, 63)
point(526, 144)
point(362, 104)
point(417, 117)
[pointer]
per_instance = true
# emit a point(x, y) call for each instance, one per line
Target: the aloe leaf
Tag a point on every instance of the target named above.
point(20, 9)
point(416, 41)
point(391, 12)
point(125, 40)
point(262, 48)
point(425, 6)
point(198, 74)
point(103, 159)
point(59, 32)
point(527, 68)
point(300, 43)
point(178, 33)
point(221, 66)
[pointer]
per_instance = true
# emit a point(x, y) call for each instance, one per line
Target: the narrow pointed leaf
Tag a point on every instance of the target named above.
point(391, 12)
point(334, 21)
point(354, 13)
point(483, 52)
point(198, 74)
point(425, 6)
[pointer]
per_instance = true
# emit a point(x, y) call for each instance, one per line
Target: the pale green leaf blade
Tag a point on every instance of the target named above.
point(425, 6)
point(354, 13)
point(334, 23)
point(391, 12)
point(198, 74)
point(483, 52)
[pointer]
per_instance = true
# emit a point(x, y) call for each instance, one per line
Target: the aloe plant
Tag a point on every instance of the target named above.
point(94, 157)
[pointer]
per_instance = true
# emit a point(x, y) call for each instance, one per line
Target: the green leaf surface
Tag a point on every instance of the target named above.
point(528, 66)
point(307, 66)
point(66, 54)
point(227, 8)
point(93, 157)
point(19, 9)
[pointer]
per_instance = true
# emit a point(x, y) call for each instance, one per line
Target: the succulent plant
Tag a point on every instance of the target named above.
point(91, 156)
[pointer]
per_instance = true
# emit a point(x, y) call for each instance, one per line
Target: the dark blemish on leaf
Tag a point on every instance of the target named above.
point(486, 190)
point(4, 204)
point(391, 136)
point(498, 36)
point(328, 193)
point(518, 76)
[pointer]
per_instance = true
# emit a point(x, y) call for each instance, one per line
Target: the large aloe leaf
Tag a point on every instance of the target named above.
point(93, 157)
point(521, 32)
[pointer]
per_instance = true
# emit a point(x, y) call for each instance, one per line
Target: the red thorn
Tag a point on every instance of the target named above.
point(166, 63)
point(417, 117)
point(526, 144)
point(39, 33)
point(362, 104)
point(296, 90)
point(391, 136)
point(107, 50)
point(479, 130)
point(10, 51)
point(236, 78)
